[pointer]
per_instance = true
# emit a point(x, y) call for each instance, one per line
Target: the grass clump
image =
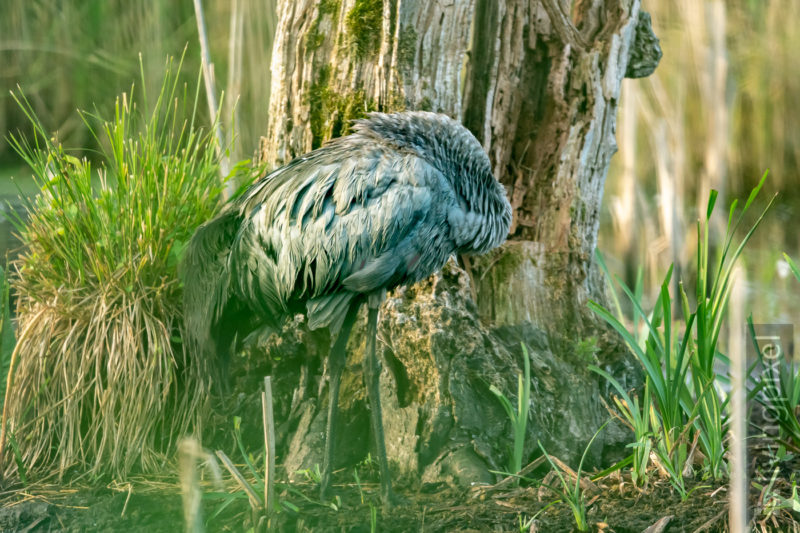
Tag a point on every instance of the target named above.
point(683, 406)
point(99, 380)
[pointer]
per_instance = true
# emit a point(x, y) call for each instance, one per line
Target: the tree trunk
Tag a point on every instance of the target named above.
point(539, 88)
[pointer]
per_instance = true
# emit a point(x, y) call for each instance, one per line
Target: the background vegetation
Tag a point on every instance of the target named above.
point(720, 109)
point(717, 112)
point(80, 54)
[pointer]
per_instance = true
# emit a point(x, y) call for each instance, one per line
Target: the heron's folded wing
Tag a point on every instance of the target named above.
point(383, 233)
point(328, 310)
point(345, 219)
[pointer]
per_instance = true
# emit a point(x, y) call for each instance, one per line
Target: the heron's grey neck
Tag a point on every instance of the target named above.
point(450, 148)
point(443, 142)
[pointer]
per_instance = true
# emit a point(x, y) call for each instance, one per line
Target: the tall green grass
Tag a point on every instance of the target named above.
point(518, 417)
point(99, 380)
point(78, 53)
point(683, 405)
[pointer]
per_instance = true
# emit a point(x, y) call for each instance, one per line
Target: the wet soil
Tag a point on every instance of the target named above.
point(92, 510)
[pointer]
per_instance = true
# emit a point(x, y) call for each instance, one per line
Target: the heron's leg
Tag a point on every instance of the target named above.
point(336, 362)
point(372, 379)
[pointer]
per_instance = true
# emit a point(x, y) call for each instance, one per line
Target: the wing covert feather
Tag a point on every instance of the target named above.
point(329, 223)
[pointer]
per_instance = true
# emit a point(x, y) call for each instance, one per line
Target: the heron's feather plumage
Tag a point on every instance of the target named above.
point(384, 206)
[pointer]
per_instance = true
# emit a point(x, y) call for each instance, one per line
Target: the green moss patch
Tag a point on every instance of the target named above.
point(407, 47)
point(314, 37)
point(331, 112)
point(364, 22)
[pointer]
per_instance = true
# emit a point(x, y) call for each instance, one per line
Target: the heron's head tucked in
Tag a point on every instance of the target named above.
point(455, 152)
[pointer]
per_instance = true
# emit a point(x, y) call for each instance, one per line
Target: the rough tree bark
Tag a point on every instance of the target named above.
point(539, 87)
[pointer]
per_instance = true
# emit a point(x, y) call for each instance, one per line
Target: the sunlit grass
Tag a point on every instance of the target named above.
point(99, 380)
point(683, 406)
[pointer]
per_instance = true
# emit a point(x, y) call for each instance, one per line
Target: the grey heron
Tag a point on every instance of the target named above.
point(336, 228)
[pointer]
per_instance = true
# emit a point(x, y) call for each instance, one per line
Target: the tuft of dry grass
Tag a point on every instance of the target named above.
point(99, 381)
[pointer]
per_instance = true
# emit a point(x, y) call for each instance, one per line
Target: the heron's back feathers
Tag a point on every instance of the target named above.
point(385, 206)
point(203, 272)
